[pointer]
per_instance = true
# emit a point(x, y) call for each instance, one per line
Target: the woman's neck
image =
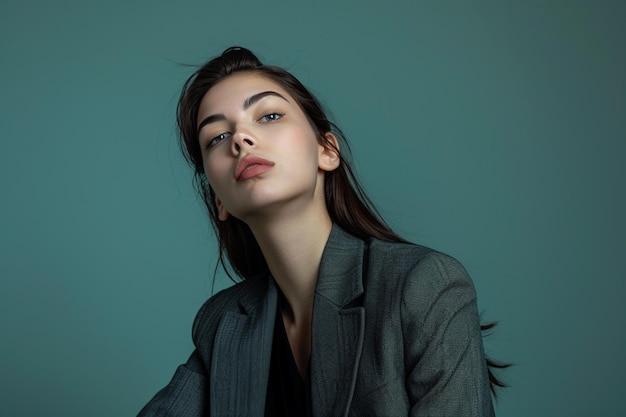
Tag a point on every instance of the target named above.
point(293, 247)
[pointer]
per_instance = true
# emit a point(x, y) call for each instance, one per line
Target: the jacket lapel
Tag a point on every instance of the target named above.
point(241, 355)
point(338, 325)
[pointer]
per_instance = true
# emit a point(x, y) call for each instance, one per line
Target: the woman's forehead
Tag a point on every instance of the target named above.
point(233, 91)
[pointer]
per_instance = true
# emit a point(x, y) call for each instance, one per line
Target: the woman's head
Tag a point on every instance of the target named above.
point(233, 61)
point(262, 158)
point(346, 204)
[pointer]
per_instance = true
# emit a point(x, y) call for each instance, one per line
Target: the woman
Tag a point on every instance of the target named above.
point(336, 315)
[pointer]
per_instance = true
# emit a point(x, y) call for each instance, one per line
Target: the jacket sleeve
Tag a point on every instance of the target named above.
point(444, 357)
point(184, 396)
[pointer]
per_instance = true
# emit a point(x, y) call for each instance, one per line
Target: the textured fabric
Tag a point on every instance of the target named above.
point(395, 332)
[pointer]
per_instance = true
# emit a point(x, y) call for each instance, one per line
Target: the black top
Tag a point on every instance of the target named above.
point(287, 394)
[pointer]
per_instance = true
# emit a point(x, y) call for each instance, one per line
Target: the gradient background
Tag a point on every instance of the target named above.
point(492, 130)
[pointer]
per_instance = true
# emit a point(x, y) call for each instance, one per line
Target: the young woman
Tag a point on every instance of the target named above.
point(336, 315)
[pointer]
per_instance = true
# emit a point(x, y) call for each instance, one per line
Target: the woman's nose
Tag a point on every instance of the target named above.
point(242, 140)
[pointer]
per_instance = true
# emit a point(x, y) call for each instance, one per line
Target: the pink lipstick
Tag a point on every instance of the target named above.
point(251, 166)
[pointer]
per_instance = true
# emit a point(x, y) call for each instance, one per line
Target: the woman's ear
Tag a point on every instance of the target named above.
point(222, 214)
point(329, 158)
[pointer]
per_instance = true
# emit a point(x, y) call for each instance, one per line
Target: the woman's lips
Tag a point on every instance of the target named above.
point(251, 166)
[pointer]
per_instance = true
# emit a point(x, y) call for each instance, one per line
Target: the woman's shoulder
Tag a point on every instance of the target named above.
point(426, 283)
point(407, 255)
point(417, 267)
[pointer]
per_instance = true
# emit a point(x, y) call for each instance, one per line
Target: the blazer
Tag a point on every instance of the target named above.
point(395, 332)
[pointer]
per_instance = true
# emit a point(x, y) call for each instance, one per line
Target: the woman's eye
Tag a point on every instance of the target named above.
point(217, 139)
point(271, 117)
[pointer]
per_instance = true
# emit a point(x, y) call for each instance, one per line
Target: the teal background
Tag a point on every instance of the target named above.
point(491, 130)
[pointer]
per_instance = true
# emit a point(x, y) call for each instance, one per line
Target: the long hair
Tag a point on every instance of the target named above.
point(347, 204)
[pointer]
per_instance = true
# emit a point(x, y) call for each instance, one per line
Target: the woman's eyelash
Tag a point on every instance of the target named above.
point(271, 117)
point(217, 139)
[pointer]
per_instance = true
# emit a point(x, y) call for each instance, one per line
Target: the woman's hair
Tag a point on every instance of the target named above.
point(347, 204)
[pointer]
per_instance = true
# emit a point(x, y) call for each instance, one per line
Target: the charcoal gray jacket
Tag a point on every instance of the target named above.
point(395, 332)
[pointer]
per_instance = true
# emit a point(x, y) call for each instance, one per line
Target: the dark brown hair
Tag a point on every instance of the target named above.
point(347, 204)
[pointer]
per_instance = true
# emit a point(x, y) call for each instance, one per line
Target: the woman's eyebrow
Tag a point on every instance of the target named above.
point(210, 119)
point(253, 99)
point(246, 104)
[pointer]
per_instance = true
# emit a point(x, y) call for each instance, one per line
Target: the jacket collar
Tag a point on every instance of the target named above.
point(341, 269)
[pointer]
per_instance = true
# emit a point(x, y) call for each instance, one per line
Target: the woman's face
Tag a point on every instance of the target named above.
point(261, 155)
